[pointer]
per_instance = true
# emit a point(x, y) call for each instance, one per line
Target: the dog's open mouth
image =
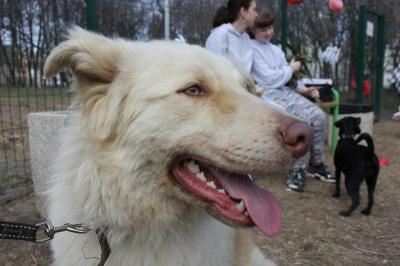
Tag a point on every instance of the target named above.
point(233, 196)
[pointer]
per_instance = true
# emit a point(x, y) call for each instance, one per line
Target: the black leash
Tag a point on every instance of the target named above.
point(45, 231)
point(18, 231)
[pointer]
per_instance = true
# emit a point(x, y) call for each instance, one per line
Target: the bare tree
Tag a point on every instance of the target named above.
point(30, 28)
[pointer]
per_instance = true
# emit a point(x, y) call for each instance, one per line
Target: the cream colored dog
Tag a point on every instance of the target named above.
point(165, 136)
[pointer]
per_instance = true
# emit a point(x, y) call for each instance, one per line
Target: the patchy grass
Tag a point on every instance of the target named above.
point(34, 98)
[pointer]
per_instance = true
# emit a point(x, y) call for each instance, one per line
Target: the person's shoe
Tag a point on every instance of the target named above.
point(321, 172)
point(296, 180)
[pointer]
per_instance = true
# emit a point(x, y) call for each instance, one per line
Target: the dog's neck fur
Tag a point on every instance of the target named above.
point(125, 185)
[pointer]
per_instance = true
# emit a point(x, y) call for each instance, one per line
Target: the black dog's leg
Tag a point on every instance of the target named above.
point(354, 191)
point(371, 183)
point(337, 188)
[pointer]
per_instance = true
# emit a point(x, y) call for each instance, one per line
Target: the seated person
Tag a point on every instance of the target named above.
point(395, 81)
point(229, 37)
point(271, 71)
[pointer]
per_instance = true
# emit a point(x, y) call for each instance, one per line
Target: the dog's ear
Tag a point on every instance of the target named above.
point(91, 57)
point(358, 121)
point(339, 123)
point(94, 61)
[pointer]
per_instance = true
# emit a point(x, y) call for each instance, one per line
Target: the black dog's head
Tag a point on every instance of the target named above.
point(348, 126)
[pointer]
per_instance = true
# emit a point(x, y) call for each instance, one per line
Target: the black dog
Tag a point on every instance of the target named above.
point(356, 161)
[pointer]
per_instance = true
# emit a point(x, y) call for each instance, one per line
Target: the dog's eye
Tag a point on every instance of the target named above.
point(193, 91)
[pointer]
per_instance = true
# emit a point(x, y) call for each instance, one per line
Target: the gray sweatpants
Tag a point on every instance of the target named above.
point(301, 107)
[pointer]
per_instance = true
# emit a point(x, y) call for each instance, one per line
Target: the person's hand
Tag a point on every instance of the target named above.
point(295, 65)
point(313, 92)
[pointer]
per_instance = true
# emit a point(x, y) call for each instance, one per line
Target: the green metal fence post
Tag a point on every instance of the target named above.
point(284, 25)
point(362, 35)
point(91, 22)
point(379, 64)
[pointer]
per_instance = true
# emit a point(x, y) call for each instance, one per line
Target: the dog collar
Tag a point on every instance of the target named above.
point(345, 136)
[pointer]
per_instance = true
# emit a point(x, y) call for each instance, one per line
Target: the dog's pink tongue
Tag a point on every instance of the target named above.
point(260, 203)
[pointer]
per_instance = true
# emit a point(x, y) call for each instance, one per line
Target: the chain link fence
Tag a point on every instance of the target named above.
point(15, 104)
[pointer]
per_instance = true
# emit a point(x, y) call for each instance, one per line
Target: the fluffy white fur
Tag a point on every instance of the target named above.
point(134, 117)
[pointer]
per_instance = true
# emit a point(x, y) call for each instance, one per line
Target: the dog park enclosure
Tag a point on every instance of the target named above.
point(22, 91)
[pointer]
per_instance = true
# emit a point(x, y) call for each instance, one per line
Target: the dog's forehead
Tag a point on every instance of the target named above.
point(186, 64)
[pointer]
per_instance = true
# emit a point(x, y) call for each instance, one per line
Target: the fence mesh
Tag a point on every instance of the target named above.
point(15, 104)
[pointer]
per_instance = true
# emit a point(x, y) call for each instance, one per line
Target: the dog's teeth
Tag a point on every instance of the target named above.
point(192, 166)
point(240, 206)
point(222, 191)
point(246, 213)
point(201, 176)
point(211, 184)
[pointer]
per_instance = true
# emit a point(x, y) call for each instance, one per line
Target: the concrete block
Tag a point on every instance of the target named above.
point(44, 144)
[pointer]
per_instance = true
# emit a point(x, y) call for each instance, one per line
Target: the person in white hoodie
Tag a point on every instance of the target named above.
point(229, 37)
point(395, 80)
point(270, 70)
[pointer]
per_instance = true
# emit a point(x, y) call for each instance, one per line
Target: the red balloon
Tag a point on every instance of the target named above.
point(294, 2)
point(335, 5)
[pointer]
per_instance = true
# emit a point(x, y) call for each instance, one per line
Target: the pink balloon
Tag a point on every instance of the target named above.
point(335, 5)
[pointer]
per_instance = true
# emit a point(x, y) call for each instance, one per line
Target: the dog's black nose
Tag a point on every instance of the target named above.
point(296, 138)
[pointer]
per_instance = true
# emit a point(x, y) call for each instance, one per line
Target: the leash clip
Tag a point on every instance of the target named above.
point(47, 231)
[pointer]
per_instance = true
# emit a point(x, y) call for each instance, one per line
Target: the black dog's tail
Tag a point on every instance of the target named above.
point(370, 143)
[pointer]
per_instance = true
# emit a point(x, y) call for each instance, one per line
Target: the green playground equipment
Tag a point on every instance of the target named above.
point(335, 117)
point(371, 53)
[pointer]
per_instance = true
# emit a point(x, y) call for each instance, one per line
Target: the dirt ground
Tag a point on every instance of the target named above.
point(313, 233)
